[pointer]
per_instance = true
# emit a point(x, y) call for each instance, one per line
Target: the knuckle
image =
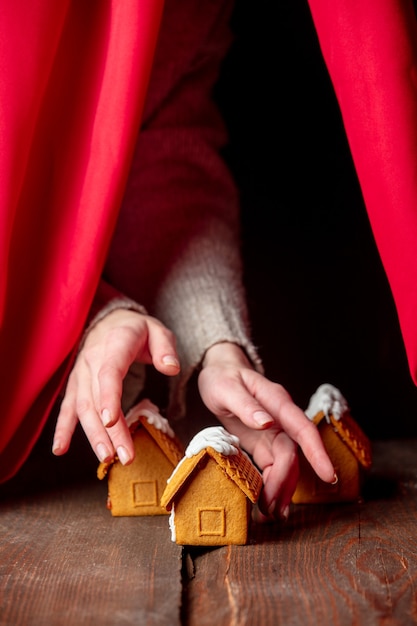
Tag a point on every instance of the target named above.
point(84, 407)
point(66, 411)
point(165, 332)
point(109, 373)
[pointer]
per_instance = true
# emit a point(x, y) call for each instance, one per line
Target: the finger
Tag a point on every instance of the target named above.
point(105, 442)
point(276, 455)
point(275, 401)
point(122, 442)
point(94, 430)
point(313, 448)
point(162, 348)
point(305, 433)
point(81, 407)
point(154, 343)
point(232, 398)
point(109, 383)
point(107, 368)
point(297, 425)
point(280, 478)
point(98, 384)
point(65, 426)
point(107, 365)
point(67, 419)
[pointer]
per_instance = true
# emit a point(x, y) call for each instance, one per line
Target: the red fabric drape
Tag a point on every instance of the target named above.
point(73, 77)
point(370, 48)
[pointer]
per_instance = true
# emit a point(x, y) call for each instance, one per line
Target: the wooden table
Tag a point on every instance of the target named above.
point(64, 560)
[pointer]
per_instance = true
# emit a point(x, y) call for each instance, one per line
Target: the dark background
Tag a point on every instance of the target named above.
point(320, 303)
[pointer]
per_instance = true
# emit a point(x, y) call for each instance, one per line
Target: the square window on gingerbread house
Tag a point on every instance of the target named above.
point(136, 489)
point(211, 522)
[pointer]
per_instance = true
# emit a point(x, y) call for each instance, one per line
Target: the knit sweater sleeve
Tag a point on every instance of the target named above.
point(176, 249)
point(202, 300)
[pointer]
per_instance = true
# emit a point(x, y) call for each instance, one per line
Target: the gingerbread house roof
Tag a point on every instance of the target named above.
point(146, 415)
point(347, 429)
point(236, 465)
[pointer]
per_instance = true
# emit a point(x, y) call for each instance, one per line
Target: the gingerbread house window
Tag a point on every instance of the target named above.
point(145, 493)
point(211, 522)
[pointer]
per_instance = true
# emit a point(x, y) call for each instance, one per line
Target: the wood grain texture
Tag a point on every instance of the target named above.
point(329, 565)
point(64, 560)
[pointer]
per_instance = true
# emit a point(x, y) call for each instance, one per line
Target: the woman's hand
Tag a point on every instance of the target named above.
point(267, 422)
point(94, 389)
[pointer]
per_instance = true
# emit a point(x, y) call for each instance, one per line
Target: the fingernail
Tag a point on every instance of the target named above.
point(106, 417)
point(123, 455)
point(285, 512)
point(170, 360)
point(262, 418)
point(103, 453)
point(335, 480)
point(56, 446)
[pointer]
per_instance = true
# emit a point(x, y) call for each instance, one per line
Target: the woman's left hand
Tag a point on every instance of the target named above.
point(266, 420)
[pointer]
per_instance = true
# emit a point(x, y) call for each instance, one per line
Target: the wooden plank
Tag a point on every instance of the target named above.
point(328, 565)
point(65, 560)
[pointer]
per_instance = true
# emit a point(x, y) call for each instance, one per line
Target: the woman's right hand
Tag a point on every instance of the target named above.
point(94, 389)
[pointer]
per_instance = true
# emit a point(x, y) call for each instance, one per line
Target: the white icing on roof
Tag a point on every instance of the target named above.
point(147, 409)
point(171, 523)
point(176, 468)
point(330, 400)
point(216, 437)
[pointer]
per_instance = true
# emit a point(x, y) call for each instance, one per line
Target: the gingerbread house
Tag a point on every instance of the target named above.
point(347, 445)
point(211, 492)
point(136, 489)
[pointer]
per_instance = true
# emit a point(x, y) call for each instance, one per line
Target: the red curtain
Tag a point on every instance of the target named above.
point(73, 77)
point(370, 48)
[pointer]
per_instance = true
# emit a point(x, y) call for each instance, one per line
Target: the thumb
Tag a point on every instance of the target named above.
point(162, 348)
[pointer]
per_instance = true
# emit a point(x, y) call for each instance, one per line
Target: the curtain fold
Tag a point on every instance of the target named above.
point(370, 49)
point(73, 79)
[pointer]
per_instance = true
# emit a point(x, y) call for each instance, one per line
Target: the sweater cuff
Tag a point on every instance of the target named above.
point(107, 300)
point(203, 301)
point(135, 378)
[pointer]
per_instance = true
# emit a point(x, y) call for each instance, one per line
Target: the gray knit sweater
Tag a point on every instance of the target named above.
point(176, 249)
